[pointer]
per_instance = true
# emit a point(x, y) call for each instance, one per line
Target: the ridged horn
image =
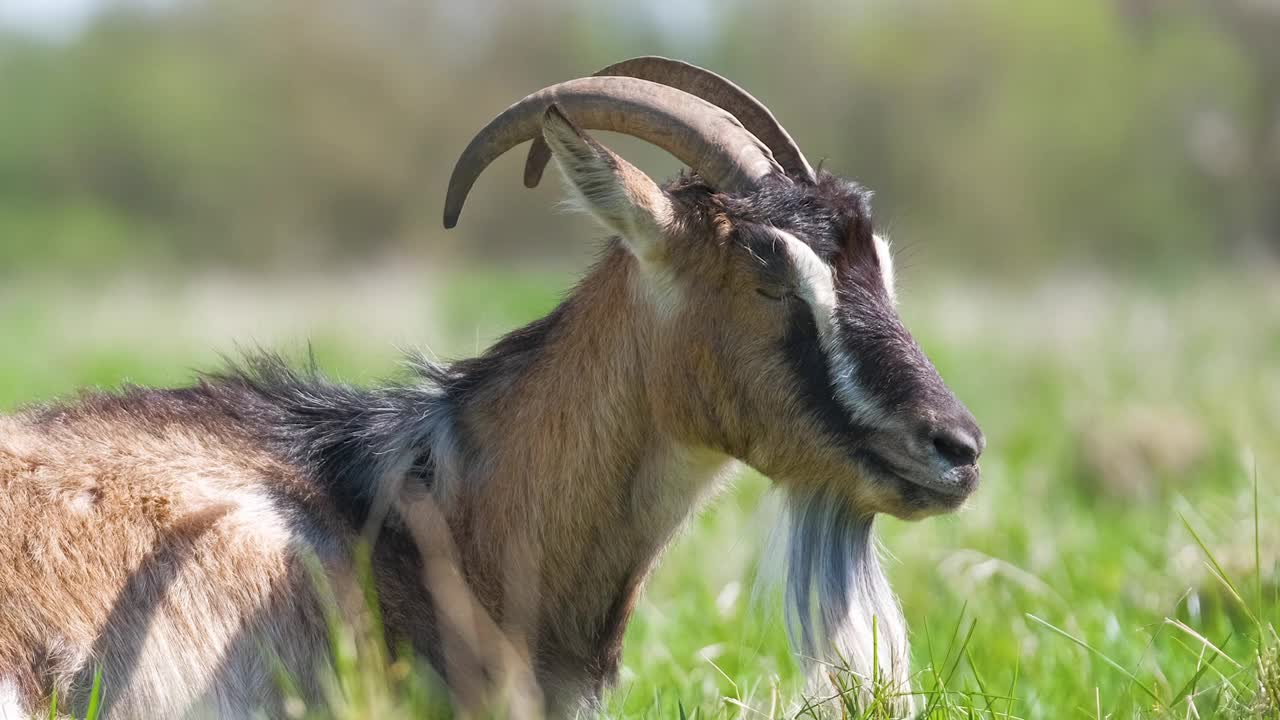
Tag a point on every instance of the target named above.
point(715, 89)
point(701, 135)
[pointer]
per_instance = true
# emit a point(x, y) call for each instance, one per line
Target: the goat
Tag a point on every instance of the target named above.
point(515, 503)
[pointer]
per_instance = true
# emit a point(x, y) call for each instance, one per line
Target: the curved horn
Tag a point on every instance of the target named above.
point(701, 135)
point(709, 86)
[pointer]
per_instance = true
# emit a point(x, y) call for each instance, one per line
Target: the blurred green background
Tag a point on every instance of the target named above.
point(1084, 200)
point(1007, 135)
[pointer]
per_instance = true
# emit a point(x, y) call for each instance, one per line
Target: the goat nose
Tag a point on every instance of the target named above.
point(958, 445)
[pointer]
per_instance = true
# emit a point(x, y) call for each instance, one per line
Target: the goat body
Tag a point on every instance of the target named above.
point(514, 503)
point(166, 536)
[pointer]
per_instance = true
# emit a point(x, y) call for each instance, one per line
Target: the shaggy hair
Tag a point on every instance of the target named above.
point(838, 598)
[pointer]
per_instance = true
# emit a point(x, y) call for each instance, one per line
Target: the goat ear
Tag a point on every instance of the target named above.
point(611, 189)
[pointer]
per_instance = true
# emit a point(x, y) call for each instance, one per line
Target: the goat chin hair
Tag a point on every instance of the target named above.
point(837, 599)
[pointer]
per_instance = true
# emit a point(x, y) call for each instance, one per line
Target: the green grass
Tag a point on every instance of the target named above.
point(1122, 558)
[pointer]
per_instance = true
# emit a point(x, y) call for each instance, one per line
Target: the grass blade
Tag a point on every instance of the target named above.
point(95, 696)
point(1257, 555)
point(1220, 573)
point(1102, 656)
point(1188, 690)
point(1202, 640)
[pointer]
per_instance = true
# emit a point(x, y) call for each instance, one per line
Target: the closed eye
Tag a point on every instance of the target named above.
point(776, 296)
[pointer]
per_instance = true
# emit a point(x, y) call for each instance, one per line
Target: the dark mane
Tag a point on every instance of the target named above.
point(344, 439)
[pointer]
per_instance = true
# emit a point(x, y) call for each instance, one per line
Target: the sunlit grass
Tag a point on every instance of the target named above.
point(1107, 567)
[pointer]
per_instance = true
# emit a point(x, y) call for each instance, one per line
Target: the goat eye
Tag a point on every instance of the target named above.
point(779, 297)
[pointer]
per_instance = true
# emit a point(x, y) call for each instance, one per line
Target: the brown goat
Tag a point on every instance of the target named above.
point(515, 502)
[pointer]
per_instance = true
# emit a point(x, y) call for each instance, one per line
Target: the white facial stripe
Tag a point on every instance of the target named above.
point(817, 286)
point(886, 267)
point(817, 283)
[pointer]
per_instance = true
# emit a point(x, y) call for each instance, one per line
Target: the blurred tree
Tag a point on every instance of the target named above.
point(1008, 134)
point(1245, 155)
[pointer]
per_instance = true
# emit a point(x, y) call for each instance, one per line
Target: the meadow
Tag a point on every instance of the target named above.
point(1122, 558)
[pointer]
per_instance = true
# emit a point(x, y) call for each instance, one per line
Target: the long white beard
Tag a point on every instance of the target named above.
point(838, 599)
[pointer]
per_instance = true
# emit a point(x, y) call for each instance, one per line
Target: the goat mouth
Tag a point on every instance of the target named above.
point(949, 489)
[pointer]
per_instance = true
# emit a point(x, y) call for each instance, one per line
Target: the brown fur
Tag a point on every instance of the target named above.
point(114, 536)
point(168, 544)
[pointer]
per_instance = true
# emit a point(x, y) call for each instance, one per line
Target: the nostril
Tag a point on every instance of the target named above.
point(957, 447)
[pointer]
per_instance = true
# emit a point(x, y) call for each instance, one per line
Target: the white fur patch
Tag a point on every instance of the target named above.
point(668, 486)
point(250, 515)
point(817, 287)
point(10, 701)
point(81, 504)
point(817, 282)
point(256, 516)
point(886, 267)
